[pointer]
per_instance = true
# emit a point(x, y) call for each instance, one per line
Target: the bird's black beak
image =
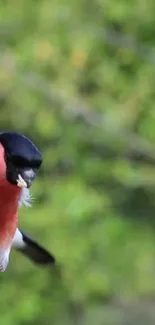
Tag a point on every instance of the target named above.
point(25, 177)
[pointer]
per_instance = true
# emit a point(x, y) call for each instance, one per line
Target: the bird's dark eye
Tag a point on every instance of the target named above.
point(19, 161)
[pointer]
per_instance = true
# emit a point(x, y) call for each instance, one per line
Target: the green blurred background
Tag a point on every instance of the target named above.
point(78, 78)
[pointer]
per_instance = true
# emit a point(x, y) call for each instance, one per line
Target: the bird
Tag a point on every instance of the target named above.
point(20, 161)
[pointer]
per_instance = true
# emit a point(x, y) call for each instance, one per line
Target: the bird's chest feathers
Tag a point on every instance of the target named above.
point(10, 200)
point(8, 216)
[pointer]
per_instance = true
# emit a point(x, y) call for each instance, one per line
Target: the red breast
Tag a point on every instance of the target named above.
point(9, 196)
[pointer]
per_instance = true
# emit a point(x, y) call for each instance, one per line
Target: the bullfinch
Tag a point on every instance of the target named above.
point(20, 161)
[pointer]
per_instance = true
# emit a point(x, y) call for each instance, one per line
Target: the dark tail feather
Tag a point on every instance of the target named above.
point(35, 252)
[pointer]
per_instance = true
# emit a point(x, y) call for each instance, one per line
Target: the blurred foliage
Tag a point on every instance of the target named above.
point(85, 96)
